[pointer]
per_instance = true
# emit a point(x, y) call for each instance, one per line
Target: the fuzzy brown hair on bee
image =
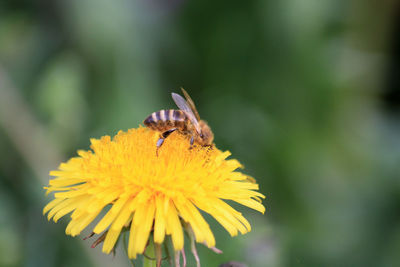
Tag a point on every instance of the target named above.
point(186, 121)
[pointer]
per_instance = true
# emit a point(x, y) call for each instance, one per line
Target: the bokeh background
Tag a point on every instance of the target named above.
point(304, 93)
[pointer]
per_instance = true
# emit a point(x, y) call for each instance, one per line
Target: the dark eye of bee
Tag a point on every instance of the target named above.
point(201, 135)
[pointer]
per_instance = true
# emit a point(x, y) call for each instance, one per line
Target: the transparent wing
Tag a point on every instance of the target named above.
point(191, 104)
point(183, 105)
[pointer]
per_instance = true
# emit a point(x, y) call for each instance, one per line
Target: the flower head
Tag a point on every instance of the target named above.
point(148, 193)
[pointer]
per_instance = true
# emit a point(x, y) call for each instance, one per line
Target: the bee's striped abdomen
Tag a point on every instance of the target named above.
point(166, 119)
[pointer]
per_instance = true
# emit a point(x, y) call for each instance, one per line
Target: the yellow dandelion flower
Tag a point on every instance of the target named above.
point(150, 195)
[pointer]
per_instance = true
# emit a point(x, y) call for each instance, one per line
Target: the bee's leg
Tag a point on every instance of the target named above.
point(164, 135)
point(191, 142)
point(160, 141)
point(167, 133)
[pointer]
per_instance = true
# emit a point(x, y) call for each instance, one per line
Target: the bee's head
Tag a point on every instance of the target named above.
point(206, 136)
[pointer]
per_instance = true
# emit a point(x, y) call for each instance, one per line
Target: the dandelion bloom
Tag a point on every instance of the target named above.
point(150, 195)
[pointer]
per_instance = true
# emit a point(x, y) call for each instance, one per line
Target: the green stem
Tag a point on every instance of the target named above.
point(149, 261)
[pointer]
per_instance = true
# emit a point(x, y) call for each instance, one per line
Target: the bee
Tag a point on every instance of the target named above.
point(186, 120)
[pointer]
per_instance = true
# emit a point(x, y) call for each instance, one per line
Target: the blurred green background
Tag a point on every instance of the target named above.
point(304, 93)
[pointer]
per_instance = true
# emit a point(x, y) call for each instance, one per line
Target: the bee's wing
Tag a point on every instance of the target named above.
point(183, 105)
point(191, 104)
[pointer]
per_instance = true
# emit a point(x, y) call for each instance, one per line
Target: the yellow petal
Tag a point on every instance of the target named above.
point(116, 227)
point(68, 208)
point(131, 243)
point(52, 204)
point(110, 216)
point(82, 222)
point(174, 227)
point(255, 205)
point(144, 228)
point(159, 221)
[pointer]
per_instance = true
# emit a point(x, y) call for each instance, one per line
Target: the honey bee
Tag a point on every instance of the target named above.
point(186, 120)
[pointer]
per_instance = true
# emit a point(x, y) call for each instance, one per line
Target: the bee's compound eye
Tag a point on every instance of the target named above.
point(201, 135)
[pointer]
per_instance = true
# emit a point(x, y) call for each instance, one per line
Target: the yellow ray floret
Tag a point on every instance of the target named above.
point(150, 193)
